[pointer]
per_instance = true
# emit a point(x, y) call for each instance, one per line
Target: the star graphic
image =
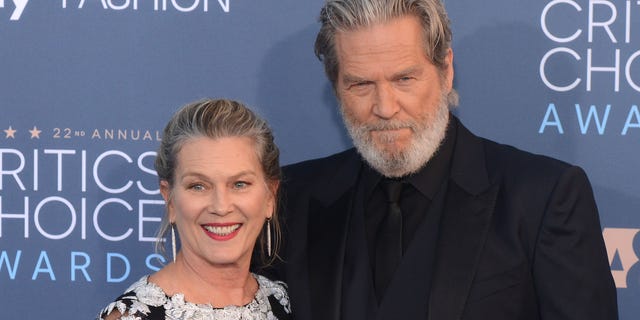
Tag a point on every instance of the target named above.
point(35, 133)
point(10, 133)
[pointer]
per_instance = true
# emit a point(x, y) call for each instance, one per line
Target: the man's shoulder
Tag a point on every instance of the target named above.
point(324, 178)
point(479, 162)
point(513, 158)
point(516, 167)
point(314, 169)
point(500, 157)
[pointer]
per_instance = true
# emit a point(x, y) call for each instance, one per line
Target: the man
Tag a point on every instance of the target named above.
point(424, 220)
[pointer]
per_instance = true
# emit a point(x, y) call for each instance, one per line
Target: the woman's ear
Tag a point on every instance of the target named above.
point(165, 191)
point(273, 189)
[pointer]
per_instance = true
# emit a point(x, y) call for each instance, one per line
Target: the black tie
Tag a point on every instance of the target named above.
point(389, 238)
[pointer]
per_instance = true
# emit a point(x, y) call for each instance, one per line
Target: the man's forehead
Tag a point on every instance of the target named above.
point(396, 35)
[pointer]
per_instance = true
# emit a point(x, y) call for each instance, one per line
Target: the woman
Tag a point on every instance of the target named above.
point(219, 176)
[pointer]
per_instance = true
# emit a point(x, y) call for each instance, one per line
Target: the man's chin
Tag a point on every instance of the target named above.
point(389, 151)
point(391, 140)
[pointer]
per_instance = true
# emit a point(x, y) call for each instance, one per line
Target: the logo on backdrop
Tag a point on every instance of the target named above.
point(17, 7)
point(76, 197)
point(594, 51)
point(622, 256)
point(593, 67)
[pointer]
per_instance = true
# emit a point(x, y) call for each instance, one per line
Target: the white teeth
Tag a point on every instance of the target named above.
point(222, 231)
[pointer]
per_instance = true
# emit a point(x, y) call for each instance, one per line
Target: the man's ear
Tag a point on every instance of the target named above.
point(448, 60)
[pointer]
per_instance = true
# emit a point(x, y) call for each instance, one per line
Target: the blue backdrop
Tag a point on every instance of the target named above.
point(86, 87)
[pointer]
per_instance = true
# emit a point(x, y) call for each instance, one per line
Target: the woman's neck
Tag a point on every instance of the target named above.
point(203, 283)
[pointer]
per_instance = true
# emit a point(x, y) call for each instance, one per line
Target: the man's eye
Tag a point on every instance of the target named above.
point(240, 185)
point(360, 84)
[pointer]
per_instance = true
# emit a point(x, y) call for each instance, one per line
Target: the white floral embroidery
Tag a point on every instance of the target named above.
point(277, 289)
point(176, 308)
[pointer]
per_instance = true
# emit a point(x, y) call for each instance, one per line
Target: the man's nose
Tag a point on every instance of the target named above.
point(385, 103)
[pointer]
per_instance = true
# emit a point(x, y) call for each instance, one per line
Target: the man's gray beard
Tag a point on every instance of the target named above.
point(428, 133)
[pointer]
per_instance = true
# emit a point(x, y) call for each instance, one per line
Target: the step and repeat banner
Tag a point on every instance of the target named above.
point(86, 87)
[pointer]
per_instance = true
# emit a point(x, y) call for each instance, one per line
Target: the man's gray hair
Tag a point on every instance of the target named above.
point(349, 15)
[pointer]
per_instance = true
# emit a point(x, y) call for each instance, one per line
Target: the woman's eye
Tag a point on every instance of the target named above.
point(197, 187)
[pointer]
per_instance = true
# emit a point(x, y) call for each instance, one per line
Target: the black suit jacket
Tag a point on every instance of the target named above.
point(520, 237)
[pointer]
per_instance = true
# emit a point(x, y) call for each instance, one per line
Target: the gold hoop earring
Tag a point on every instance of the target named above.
point(173, 240)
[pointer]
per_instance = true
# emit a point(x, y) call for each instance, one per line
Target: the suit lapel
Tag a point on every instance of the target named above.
point(466, 219)
point(327, 235)
point(463, 229)
point(329, 214)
